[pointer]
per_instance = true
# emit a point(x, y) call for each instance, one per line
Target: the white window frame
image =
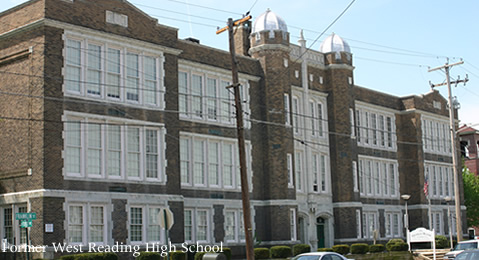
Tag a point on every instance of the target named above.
point(436, 137)
point(377, 172)
point(105, 45)
point(194, 221)
point(86, 222)
point(85, 119)
point(207, 140)
point(224, 100)
point(146, 223)
point(293, 224)
point(372, 127)
point(238, 226)
point(289, 168)
point(16, 231)
point(436, 171)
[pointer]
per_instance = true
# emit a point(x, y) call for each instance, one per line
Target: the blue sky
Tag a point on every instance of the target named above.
point(393, 42)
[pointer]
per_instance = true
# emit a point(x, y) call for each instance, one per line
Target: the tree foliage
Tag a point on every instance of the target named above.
point(471, 196)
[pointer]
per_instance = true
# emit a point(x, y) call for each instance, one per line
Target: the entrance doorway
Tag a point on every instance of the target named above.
point(320, 222)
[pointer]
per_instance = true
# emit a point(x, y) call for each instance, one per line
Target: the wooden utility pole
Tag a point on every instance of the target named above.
point(455, 161)
point(241, 142)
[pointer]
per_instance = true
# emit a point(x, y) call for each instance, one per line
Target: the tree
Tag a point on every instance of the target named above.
point(471, 196)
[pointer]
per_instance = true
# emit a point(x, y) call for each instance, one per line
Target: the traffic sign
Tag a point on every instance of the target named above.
point(166, 216)
point(26, 216)
point(26, 223)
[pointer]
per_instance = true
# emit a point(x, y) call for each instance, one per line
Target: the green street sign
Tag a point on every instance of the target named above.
point(26, 223)
point(26, 216)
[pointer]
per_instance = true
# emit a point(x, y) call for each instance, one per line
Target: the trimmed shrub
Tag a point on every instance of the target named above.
point(67, 257)
point(359, 248)
point(178, 255)
point(399, 246)
point(301, 248)
point(377, 248)
point(280, 251)
point(341, 249)
point(392, 242)
point(199, 255)
point(442, 242)
point(325, 249)
point(261, 253)
point(149, 256)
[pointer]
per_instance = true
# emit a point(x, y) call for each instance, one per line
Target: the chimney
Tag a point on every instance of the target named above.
point(241, 37)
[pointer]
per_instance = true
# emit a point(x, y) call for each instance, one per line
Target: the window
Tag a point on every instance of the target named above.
point(204, 96)
point(287, 113)
point(86, 223)
point(319, 172)
point(289, 167)
point(100, 71)
point(355, 176)
point(375, 129)
point(144, 224)
point(378, 177)
point(197, 225)
point(435, 136)
point(298, 166)
point(88, 155)
point(440, 179)
point(208, 161)
point(437, 222)
point(358, 224)
point(316, 118)
point(296, 115)
point(392, 224)
point(292, 217)
point(234, 226)
point(369, 224)
point(11, 229)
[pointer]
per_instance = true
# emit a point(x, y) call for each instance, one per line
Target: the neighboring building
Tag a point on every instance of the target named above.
point(469, 138)
point(107, 118)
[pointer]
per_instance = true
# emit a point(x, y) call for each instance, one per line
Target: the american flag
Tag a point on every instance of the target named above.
point(426, 186)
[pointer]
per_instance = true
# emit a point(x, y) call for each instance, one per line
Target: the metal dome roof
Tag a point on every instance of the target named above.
point(269, 21)
point(334, 43)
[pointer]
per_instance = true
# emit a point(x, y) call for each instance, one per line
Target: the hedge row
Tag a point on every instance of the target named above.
point(91, 256)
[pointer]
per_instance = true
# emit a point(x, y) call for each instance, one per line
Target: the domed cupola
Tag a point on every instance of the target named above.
point(335, 44)
point(269, 28)
point(269, 21)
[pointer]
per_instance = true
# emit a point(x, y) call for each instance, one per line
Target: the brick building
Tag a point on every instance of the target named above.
point(469, 138)
point(107, 118)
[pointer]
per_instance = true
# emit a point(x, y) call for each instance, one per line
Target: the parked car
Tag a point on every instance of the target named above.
point(462, 246)
point(468, 255)
point(320, 256)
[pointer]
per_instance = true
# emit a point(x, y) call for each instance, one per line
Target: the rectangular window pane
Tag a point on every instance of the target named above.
point(228, 164)
point(132, 79)
point(202, 225)
point(94, 149)
point(8, 224)
point(73, 66)
point(73, 146)
point(213, 163)
point(94, 70)
point(197, 95)
point(114, 150)
point(212, 95)
point(154, 228)
point(230, 226)
point(151, 153)
point(299, 171)
point(199, 162)
point(227, 102)
point(133, 152)
point(75, 227)
point(188, 222)
point(113, 73)
point(96, 224)
point(185, 160)
point(136, 224)
point(183, 92)
point(150, 77)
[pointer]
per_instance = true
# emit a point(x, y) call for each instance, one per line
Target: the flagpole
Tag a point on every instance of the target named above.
point(429, 210)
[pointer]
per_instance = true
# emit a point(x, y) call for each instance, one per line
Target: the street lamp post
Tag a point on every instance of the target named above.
point(448, 199)
point(406, 197)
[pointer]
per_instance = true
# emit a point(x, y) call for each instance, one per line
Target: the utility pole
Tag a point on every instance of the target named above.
point(455, 161)
point(241, 142)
